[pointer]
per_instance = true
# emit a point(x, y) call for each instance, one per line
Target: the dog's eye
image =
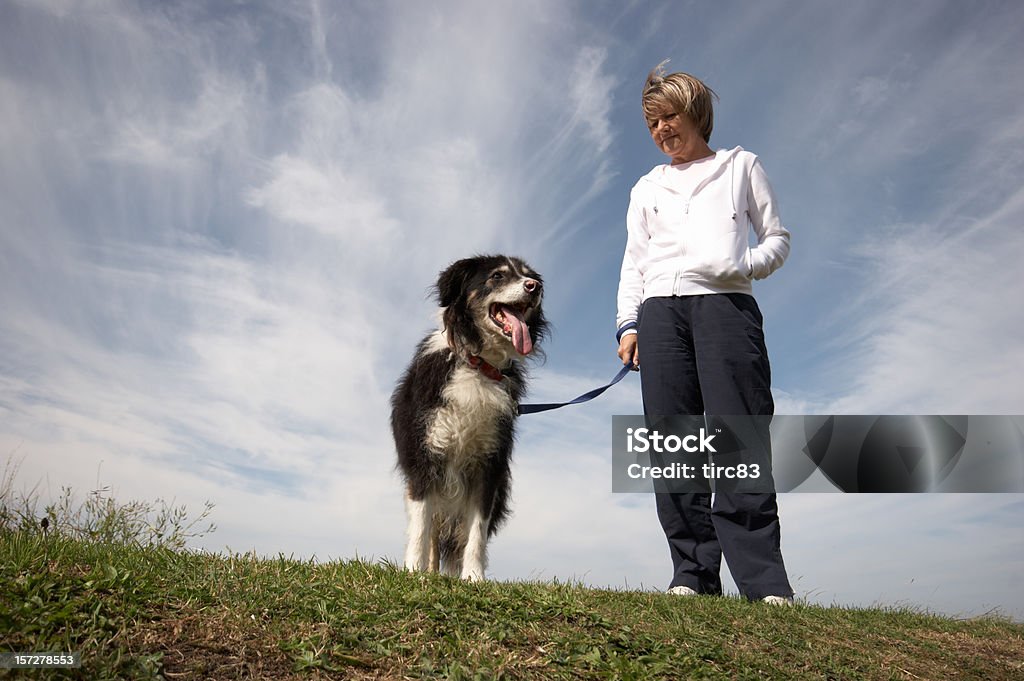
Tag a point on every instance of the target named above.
point(497, 276)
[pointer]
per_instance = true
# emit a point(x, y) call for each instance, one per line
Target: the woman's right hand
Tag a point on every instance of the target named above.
point(628, 351)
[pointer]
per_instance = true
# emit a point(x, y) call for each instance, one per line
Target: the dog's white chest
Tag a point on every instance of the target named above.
point(467, 425)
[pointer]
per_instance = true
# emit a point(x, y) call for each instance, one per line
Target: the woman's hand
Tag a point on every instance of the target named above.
point(628, 351)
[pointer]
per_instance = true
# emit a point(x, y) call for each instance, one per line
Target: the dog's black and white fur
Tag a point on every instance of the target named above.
point(454, 410)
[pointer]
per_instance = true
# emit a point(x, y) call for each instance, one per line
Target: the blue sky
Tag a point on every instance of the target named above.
point(219, 221)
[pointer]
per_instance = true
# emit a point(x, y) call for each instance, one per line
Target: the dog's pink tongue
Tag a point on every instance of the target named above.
point(520, 331)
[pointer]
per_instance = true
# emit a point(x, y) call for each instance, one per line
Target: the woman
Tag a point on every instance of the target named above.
point(685, 306)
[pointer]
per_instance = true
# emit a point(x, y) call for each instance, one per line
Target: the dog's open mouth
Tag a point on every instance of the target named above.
point(511, 319)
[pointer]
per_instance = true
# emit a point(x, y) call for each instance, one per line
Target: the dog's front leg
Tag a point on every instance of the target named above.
point(421, 520)
point(435, 549)
point(474, 559)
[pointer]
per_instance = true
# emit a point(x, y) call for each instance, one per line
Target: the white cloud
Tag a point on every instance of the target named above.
point(222, 323)
point(590, 90)
point(149, 134)
point(937, 330)
point(325, 199)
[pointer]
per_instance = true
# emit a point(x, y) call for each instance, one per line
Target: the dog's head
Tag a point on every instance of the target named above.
point(492, 304)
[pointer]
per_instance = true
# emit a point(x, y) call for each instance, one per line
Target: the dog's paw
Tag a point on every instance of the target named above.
point(473, 575)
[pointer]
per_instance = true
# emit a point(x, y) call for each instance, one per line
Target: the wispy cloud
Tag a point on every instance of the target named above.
point(213, 308)
point(327, 199)
point(929, 329)
point(187, 132)
point(935, 332)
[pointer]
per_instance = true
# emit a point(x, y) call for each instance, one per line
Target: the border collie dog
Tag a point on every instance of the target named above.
point(454, 410)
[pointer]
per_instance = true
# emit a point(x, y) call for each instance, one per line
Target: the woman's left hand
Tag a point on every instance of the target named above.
point(628, 351)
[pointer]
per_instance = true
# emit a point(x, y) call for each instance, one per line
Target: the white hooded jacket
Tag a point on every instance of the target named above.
point(681, 245)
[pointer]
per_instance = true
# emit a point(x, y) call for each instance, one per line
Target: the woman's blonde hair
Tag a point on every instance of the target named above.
point(685, 94)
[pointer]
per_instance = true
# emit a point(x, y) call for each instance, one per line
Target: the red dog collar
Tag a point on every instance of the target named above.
point(484, 367)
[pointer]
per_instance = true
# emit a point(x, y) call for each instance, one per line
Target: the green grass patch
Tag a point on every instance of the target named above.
point(137, 611)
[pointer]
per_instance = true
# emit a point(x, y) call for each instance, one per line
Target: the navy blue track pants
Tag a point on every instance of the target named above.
point(706, 354)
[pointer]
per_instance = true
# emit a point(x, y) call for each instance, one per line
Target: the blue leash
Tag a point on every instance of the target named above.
point(585, 397)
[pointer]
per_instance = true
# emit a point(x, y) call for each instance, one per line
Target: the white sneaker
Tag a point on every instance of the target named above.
point(777, 600)
point(682, 591)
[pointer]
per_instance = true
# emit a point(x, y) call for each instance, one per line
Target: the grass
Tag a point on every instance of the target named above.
point(147, 609)
point(143, 612)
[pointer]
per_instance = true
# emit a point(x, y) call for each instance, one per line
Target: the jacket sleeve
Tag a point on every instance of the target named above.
point(631, 278)
point(772, 238)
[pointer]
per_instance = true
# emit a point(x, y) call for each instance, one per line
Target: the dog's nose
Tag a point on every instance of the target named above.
point(531, 285)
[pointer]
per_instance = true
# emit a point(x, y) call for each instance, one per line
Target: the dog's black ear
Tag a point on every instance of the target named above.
point(452, 287)
point(452, 282)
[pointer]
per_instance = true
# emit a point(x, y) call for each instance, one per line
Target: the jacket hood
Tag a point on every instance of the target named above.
point(659, 174)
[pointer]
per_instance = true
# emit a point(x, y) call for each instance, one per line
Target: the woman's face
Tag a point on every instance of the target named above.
point(675, 134)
